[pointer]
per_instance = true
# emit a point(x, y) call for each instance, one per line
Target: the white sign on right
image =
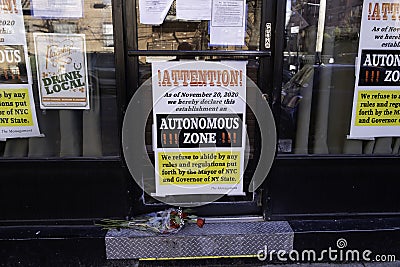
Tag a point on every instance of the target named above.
point(228, 20)
point(376, 102)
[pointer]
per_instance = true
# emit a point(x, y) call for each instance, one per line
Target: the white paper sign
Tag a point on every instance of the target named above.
point(14, 65)
point(12, 30)
point(376, 102)
point(17, 112)
point(57, 8)
point(228, 22)
point(193, 9)
point(17, 107)
point(153, 11)
point(62, 70)
point(199, 111)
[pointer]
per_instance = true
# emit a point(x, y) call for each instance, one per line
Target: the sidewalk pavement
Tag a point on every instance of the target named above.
point(373, 264)
point(239, 263)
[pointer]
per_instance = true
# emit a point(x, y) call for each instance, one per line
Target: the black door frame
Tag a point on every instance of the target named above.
point(268, 68)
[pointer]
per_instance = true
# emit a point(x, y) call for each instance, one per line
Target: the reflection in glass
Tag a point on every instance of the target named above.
point(75, 133)
point(317, 94)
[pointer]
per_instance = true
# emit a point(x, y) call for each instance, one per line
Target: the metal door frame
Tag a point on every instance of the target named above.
point(269, 77)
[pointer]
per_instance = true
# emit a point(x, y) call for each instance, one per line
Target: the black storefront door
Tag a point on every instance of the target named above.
point(177, 40)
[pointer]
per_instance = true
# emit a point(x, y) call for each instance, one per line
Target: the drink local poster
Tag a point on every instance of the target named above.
point(62, 71)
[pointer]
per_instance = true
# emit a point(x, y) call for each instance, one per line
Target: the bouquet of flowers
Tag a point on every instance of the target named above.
point(164, 222)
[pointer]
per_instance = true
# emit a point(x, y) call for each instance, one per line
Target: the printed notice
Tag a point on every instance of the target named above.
point(378, 108)
point(199, 113)
point(62, 71)
point(17, 112)
point(153, 11)
point(17, 107)
point(227, 26)
point(227, 13)
point(187, 168)
point(14, 66)
point(193, 9)
point(12, 30)
point(57, 8)
point(376, 103)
